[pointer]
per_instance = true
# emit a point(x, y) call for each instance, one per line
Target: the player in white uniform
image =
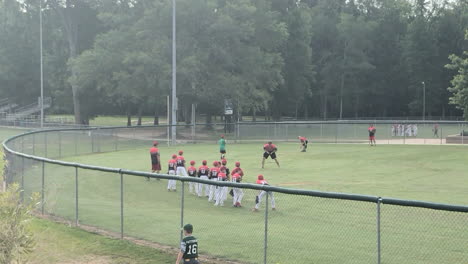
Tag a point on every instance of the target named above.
point(237, 193)
point(181, 171)
point(221, 191)
point(203, 172)
point(213, 177)
point(171, 184)
point(258, 199)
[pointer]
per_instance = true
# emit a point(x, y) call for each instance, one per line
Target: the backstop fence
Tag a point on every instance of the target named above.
point(308, 227)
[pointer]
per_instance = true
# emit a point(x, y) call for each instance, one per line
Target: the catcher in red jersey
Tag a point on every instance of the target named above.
point(270, 151)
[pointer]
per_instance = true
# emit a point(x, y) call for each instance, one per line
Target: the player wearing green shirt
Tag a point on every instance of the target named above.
point(222, 147)
point(188, 247)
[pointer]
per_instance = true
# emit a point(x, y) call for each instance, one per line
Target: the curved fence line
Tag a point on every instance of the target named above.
point(116, 139)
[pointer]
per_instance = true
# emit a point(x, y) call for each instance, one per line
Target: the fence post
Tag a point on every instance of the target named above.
point(98, 140)
point(76, 142)
point(121, 207)
point(42, 189)
point(33, 144)
point(60, 144)
point(379, 201)
point(76, 197)
point(441, 132)
point(463, 133)
point(265, 241)
point(22, 179)
point(182, 211)
point(92, 140)
point(336, 133)
point(45, 144)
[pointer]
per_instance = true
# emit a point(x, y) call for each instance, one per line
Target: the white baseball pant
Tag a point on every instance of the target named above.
point(171, 184)
point(262, 193)
point(238, 194)
point(221, 193)
point(200, 187)
point(213, 188)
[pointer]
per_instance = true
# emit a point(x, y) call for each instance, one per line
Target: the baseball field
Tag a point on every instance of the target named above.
point(303, 229)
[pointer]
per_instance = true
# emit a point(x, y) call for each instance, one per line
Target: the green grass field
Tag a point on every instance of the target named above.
point(304, 229)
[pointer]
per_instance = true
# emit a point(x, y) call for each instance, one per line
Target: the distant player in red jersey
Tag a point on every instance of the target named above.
point(181, 171)
point(221, 191)
point(372, 131)
point(270, 151)
point(213, 177)
point(258, 198)
point(203, 172)
point(155, 159)
point(192, 172)
point(304, 143)
point(171, 184)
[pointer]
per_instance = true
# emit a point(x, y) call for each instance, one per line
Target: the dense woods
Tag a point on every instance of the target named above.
point(280, 58)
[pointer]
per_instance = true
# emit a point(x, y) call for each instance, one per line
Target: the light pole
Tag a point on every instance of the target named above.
point(174, 98)
point(42, 71)
point(424, 100)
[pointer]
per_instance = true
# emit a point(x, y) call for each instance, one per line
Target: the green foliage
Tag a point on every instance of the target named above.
point(459, 82)
point(16, 240)
point(281, 58)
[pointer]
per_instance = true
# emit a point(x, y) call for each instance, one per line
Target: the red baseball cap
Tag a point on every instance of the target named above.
point(237, 164)
point(181, 152)
point(204, 162)
point(155, 143)
point(215, 163)
point(260, 177)
point(224, 161)
point(174, 156)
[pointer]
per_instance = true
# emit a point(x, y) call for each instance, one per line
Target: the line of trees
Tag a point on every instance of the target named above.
point(295, 58)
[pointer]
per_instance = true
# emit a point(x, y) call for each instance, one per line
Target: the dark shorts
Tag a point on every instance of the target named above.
point(371, 137)
point(191, 261)
point(272, 155)
point(222, 151)
point(156, 167)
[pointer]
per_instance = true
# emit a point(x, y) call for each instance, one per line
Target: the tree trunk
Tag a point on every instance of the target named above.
point(140, 112)
point(71, 29)
point(129, 117)
point(156, 115)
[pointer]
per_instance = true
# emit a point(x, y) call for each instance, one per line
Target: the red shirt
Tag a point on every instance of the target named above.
point(222, 176)
point(180, 161)
point(264, 182)
point(154, 150)
point(238, 170)
point(203, 170)
point(269, 148)
point(236, 177)
point(302, 139)
point(214, 172)
point(192, 171)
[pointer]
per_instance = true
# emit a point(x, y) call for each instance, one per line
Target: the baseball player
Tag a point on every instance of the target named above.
point(155, 159)
point(221, 191)
point(203, 172)
point(213, 176)
point(188, 247)
point(171, 184)
point(192, 172)
point(372, 131)
point(270, 151)
point(258, 199)
point(304, 143)
point(222, 146)
point(181, 171)
point(238, 192)
point(237, 169)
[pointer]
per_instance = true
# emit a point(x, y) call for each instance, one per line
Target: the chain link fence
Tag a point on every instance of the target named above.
point(306, 227)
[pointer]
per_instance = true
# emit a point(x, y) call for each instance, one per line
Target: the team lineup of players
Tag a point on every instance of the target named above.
point(217, 172)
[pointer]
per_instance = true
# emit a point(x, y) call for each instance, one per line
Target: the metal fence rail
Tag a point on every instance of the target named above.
point(309, 227)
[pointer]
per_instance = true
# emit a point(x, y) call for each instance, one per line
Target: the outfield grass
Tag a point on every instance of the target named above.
point(58, 243)
point(304, 229)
